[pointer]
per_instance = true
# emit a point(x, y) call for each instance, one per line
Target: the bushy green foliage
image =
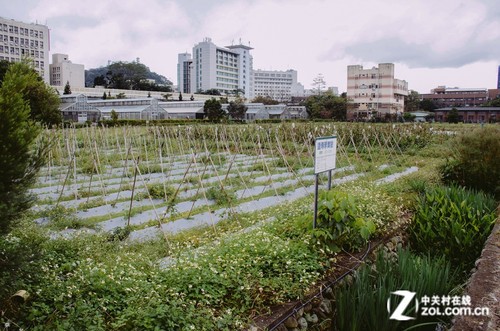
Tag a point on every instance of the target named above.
point(98, 282)
point(43, 99)
point(19, 163)
point(452, 221)
point(220, 196)
point(349, 215)
point(362, 305)
point(327, 106)
point(61, 218)
point(213, 110)
point(339, 224)
point(475, 160)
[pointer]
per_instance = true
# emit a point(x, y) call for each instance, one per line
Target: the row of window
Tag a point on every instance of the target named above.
point(272, 84)
point(39, 65)
point(372, 76)
point(226, 68)
point(231, 64)
point(272, 75)
point(273, 81)
point(22, 31)
point(227, 80)
point(22, 52)
point(227, 86)
point(23, 42)
point(226, 74)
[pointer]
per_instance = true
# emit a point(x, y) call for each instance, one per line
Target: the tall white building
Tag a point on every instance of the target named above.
point(226, 69)
point(278, 85)
point(374, 91)
point(184, 67)
point(63, 71)
point(25, 40)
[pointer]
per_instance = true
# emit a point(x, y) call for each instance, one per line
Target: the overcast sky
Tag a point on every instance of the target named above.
point(432, 42)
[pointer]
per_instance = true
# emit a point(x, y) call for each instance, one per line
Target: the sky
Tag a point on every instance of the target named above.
point(431, 42)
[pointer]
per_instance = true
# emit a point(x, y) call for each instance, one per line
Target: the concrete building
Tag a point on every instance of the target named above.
point(63, 71)
point(443, 96)
point(498, 79)
point(278, 85)
point(226, 69)
point(25, 40)
point(374, 92)
point(184, 67)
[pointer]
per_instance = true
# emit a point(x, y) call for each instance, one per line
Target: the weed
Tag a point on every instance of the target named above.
point(362, 305)
point(452, 221)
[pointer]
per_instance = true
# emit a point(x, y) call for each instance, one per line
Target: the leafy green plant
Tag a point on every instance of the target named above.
point(475, 161)
point(219, 195)
point(453, 221)
point(61, 218)
point(161, 191)
point(339, 224)
point(362, 305)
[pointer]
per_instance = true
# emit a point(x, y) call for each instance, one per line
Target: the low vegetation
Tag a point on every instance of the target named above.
point(220, 276)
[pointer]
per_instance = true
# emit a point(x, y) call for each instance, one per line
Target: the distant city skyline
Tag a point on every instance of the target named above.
point(431, 43)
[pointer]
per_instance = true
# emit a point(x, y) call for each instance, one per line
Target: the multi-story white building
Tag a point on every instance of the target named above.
point(278, 85)
point(184, 67)
point(63, 71)
point(20, 40)
point(227, 69)
point(374, 91)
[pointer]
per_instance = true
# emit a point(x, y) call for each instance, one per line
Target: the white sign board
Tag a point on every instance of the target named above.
point(325, 154)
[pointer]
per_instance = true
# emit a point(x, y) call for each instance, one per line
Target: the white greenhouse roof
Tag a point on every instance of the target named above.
point(184, 110)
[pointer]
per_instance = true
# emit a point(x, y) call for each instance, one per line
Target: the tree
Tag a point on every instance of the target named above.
point(427, 105)
point(213, 110)
point(319, 83)
point(412, 101)
point(18, 161)
point(265, 100)
point(237, 109)
point(43, 99)
point(212, 91)
point(114, 116)
point(408, 117)
point(453, 116)
point(493, 102)
point(104, 96)
point(327, 106)
point(180, 96)
point(67, 88)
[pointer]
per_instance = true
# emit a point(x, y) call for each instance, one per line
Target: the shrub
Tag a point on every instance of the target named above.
point(363, 304)
point(61, 218)
point(452, 221)
point(161, 191)
point(475, 161)
point(18, 161)
point(220, 196)
point(339, 224)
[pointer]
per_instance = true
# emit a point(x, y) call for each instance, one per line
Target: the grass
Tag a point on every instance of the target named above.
point(80, 277)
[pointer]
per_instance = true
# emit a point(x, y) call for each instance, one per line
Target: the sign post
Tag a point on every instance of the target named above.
point(325, 156)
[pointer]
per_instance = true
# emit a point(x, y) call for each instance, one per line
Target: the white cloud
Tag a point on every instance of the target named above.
point(316, 36)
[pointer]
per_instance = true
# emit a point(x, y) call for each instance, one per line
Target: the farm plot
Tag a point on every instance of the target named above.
point(175, 178)
point(231, 206)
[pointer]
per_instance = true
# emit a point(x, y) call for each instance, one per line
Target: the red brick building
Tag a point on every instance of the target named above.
point(470, 114)
point(443, 96)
